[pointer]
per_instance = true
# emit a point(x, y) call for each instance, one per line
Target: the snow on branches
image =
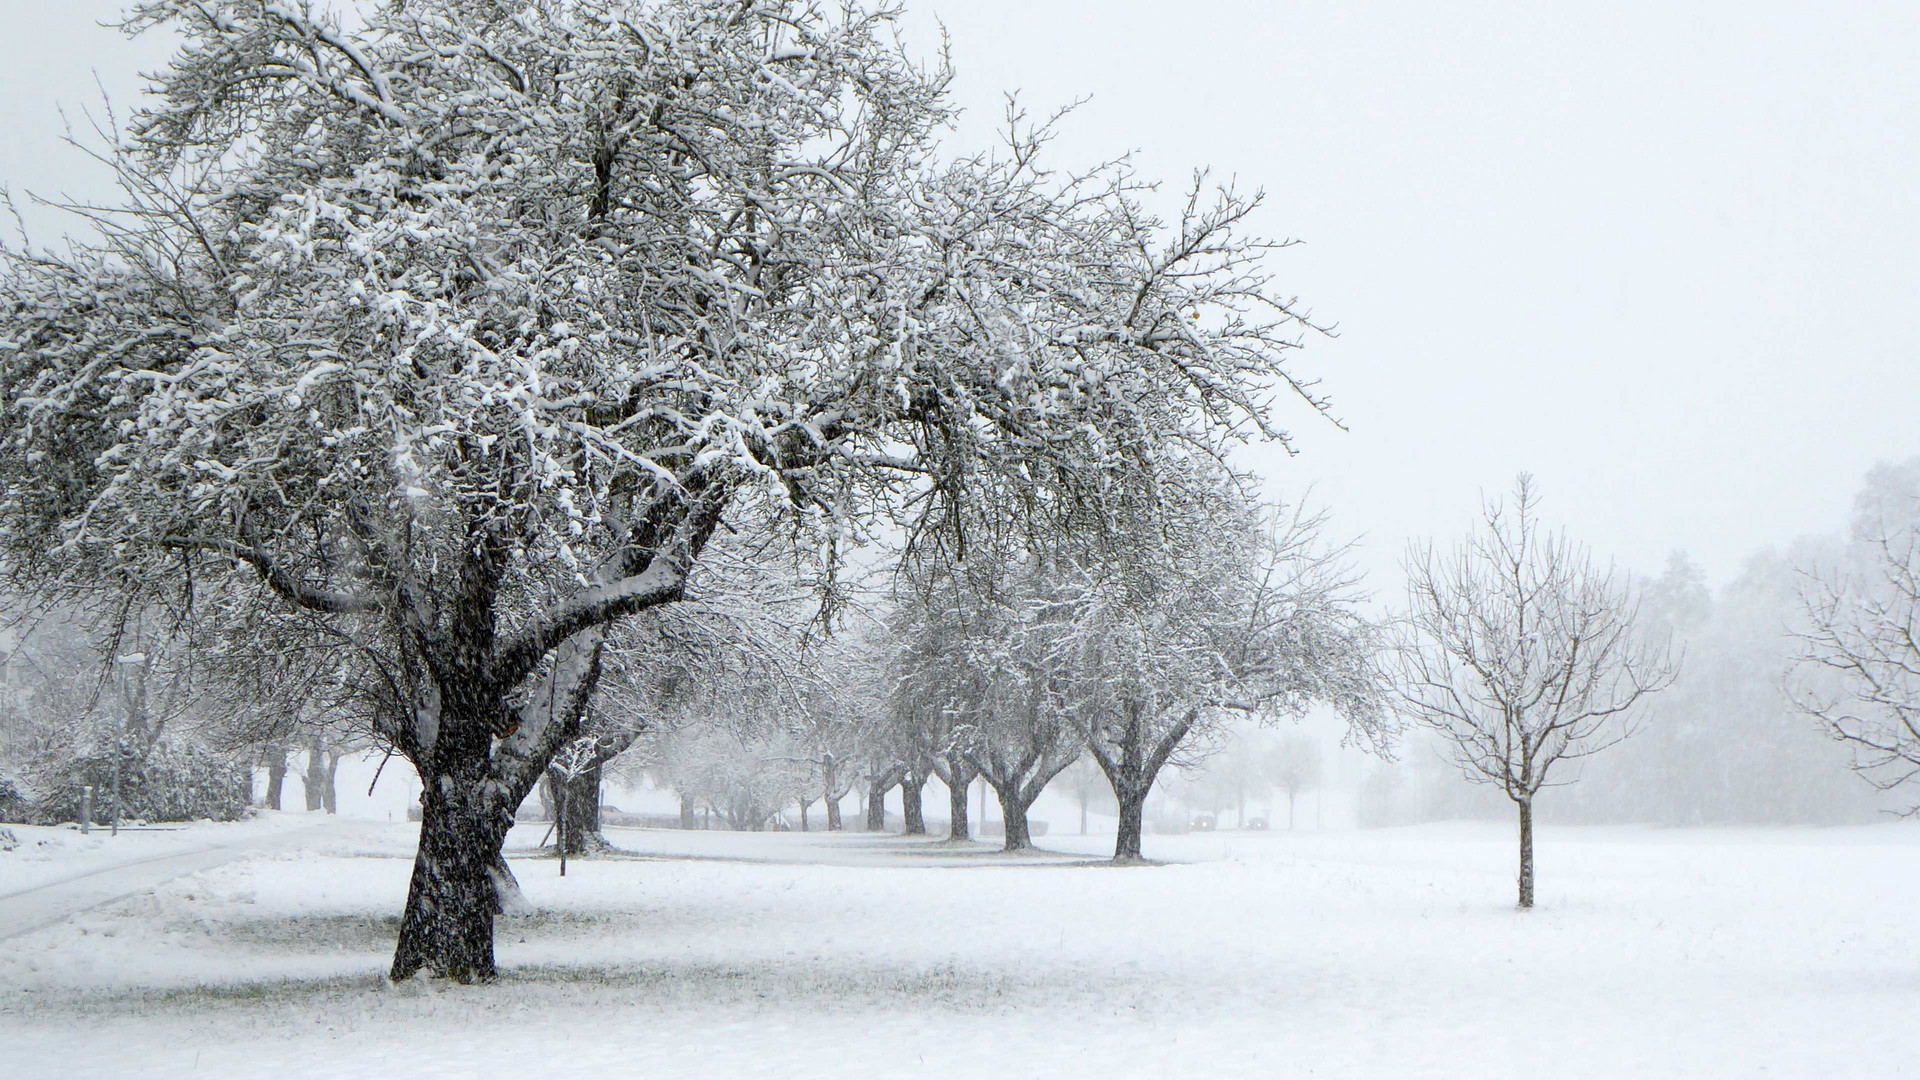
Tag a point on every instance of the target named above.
point(1858, 668)
point(461, 328)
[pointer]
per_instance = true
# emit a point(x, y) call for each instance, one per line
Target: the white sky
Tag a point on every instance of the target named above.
point(1666, 260)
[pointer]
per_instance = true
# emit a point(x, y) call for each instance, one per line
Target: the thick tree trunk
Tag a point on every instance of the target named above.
point(580, 833)
point(276, 775)
point(803, 814)
point(877, 808)
point(911, 810)
point(1013, 815)
point(477, 760)
point(1526, 853)
point(829, 774)
point(958, 828)
point(1131, 771)
point(689, 813)
point(447, 928)
point(1126, 843)
point(332, 791)
point(316, 778)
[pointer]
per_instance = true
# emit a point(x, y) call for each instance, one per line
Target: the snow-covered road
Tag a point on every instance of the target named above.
point(105, 874)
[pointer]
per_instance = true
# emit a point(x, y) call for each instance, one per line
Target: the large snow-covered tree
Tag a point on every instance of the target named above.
point(1522, 654)
point(461, 327)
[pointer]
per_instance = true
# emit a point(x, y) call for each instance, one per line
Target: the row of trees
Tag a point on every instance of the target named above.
point(1013, 669)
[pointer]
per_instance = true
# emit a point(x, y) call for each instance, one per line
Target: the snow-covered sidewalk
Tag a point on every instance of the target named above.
point(56, 873)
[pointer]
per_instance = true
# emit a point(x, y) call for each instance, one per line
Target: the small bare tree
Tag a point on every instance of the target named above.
point(1860, 628)
point(1521, 653)
point(1294, 766)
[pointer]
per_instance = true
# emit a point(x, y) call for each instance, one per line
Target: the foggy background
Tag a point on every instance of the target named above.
point(1663, 259)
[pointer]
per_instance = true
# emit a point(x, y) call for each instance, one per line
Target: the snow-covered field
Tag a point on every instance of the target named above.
point(1391, 953)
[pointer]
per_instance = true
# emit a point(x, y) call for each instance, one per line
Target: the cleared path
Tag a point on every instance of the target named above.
point(25, 910)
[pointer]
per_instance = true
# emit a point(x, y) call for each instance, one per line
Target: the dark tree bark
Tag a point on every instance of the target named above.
point(332, 790)
point(1126, 845)
point(316, 777)
point(1019, 774)
point(448, 924)
point(879, 780)
point(957, 773)
point(1526, 853)
point(484, 757)
point(911, 809)
point(804, 803)
point(958, 828)
point(830, 773)
point(580, 833)
point(276, 756)
point(1132, 758)
point(1013, 816)
point(560, 834)
point(689, 812)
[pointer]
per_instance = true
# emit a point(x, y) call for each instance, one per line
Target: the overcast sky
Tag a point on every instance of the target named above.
point(1667, 261)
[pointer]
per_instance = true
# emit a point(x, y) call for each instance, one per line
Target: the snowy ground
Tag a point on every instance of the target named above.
point(1388, 953)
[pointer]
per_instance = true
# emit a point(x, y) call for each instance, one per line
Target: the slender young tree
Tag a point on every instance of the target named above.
point(1522, 653)
point(1293, 766)
point(1087, 782)
point(1859, 662)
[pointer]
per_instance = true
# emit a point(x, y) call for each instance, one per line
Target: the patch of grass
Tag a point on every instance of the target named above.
point(315, 933)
